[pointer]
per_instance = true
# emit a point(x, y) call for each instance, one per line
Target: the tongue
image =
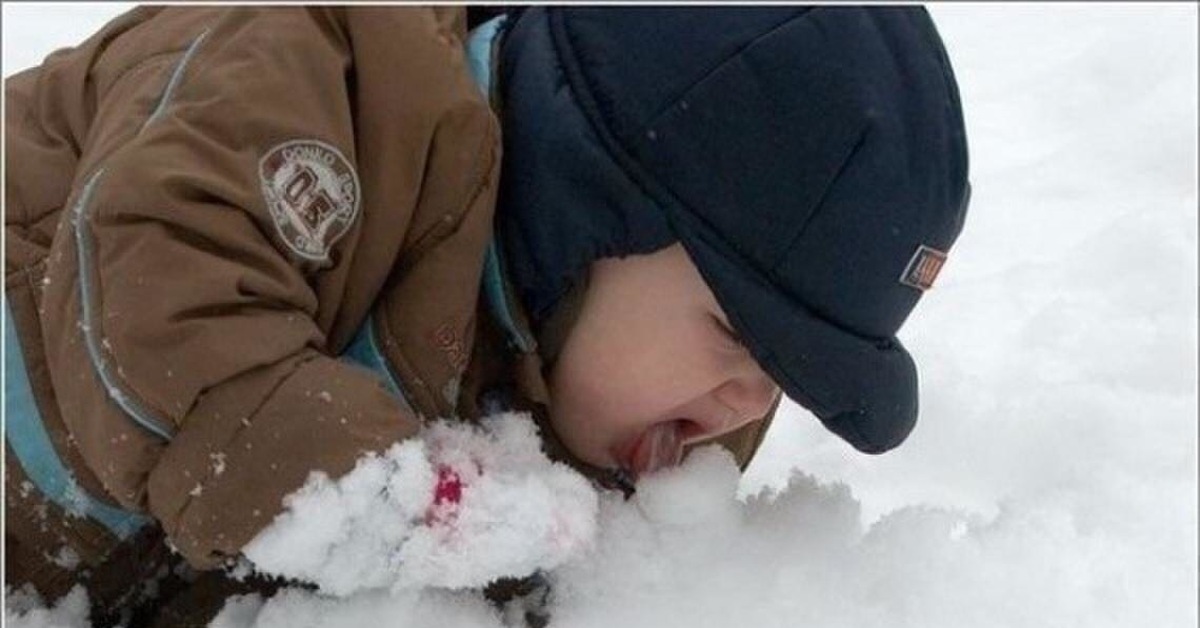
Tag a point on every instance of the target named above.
point(661, 447)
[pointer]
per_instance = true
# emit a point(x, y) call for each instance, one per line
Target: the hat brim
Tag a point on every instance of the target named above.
point(863, 389)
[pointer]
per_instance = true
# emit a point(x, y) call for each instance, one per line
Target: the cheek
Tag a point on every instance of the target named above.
point(634, 359)
point(589, 387)
point(599, 396)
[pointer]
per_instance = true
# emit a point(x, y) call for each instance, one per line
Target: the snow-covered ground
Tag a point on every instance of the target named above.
point(1052, 478)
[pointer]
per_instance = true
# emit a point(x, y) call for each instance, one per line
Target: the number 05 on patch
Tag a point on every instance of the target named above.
point(312, 193)
point(923, 268)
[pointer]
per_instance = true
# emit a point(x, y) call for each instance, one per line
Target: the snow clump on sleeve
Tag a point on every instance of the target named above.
point(458, 507)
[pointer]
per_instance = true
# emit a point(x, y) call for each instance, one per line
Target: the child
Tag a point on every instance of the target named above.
point(249, 243)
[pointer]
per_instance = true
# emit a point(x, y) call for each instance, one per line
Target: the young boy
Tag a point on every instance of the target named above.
point(217, 217)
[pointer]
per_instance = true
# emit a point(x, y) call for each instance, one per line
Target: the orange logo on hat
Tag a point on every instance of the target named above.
point(923, 268)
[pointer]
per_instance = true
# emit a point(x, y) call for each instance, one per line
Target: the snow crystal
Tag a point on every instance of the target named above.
point(66, 557)
point(76, 499)
point(218, 462)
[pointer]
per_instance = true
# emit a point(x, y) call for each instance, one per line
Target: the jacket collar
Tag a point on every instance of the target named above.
point(481, 46)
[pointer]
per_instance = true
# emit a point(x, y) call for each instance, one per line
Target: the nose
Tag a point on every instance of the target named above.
point(746, 398)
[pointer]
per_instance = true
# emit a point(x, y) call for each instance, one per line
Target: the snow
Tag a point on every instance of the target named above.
point(23, 608)
point(687, 554)
point(394, 523)
point(1051, 479)
point(296, 609)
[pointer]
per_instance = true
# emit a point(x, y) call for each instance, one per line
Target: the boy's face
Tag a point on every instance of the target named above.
point(651, 365)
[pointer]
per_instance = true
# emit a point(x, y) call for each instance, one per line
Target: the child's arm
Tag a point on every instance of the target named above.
point(184, 332)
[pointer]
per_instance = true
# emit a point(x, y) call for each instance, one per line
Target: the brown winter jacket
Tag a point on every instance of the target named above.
point(202, 207)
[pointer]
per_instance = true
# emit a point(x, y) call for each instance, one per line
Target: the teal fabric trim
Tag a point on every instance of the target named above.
point(479, 52)
point(27, 437)
point(479, 56)
point(364, 351)
point(89, 320)
point(493, 289)
point(364, 348)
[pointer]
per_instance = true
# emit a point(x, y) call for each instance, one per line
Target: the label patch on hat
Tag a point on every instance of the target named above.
point(312, 193)
point(923, 268)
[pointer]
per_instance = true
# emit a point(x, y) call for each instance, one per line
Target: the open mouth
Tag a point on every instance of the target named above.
point(659, 447)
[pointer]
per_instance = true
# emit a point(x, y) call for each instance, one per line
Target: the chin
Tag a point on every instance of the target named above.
point(591, 453)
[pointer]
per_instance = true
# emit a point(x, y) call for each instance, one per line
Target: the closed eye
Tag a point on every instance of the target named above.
point(731, 339)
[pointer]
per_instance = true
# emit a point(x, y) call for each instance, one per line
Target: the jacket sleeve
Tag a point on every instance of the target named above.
point(188, 358)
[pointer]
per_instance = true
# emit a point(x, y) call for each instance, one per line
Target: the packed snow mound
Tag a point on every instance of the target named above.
point(685, 551)
point(458, 507)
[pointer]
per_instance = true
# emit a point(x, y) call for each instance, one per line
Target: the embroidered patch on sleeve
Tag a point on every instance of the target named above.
point(923, 268)
point(312, 192)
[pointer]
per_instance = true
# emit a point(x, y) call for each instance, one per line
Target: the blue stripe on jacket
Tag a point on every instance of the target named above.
point(26, 436)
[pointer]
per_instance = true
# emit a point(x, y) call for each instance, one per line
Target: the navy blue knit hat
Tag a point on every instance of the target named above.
point(812, 161)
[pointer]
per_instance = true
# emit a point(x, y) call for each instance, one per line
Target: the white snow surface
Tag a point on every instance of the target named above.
point(1051, 479)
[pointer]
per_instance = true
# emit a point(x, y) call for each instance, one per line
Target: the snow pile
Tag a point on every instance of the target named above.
point(24, 608)
point(457, 507)
point(684, 551)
